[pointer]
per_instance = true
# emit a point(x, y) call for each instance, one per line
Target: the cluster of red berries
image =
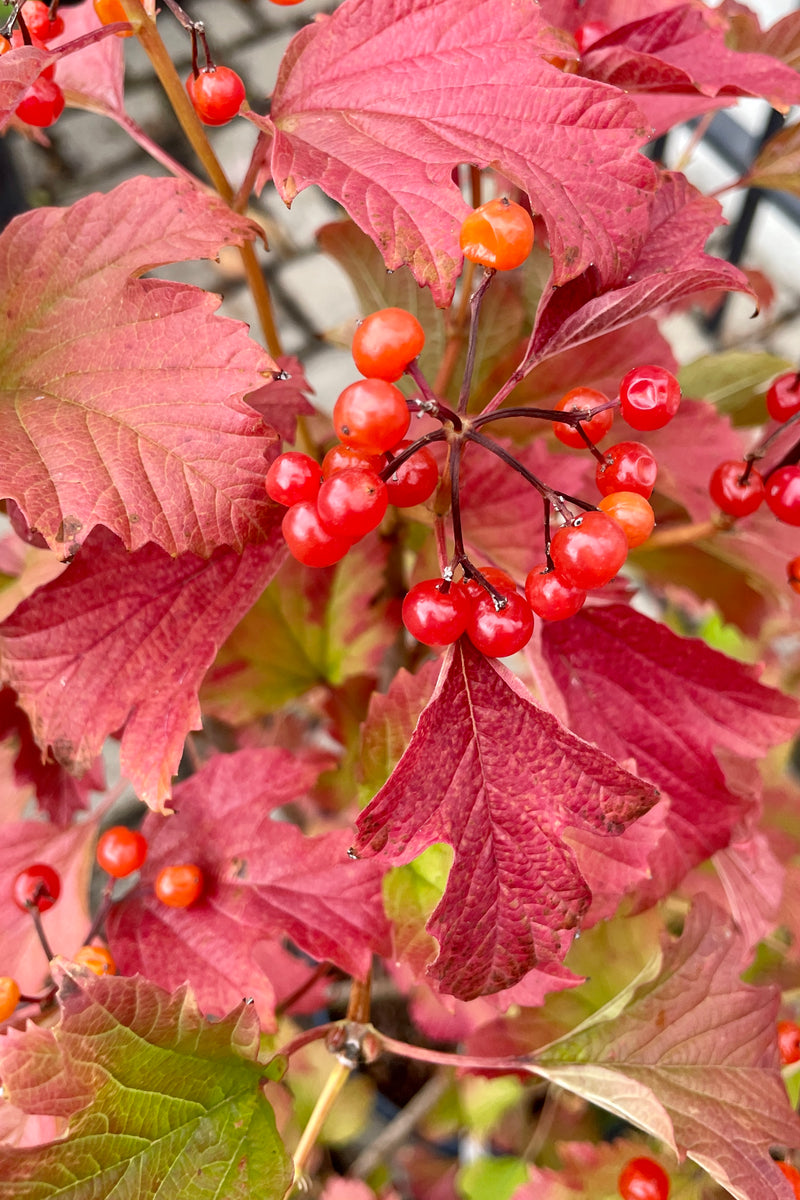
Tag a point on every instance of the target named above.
point(43, 103)
point(120, 851)
point(738, 489)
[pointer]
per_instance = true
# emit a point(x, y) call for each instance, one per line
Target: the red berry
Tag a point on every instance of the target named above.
point(783, 396)
point(415, 480)
point(292, 478)
point(551, 598)
point(649, 397)
point(589, 552)
point(36, 15)
point(498, 578)
point(643, 1179)
point(42, 104)
point(793, 573)
point(595, 429)
point(789, 1042)
point(633, 513)
point(793, 1175)
point(435, 617)
point(498, 234)
point(9, 996)
point(498, 632)
point(590, 32)
point(216, 94)
point(179, 886)
point(783, 494)
point(351, 503)
point(627, 467)
point(121, 851)
point(308, 539)
point(96, 958)
point(730, 495)
point(339, 458)
point(371, 415)
point(38, 886)
point(386, 342)
point(18, 40)
point(285, 3)
point(109, 12)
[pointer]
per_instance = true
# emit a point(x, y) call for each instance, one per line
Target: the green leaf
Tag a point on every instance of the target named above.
point(491, 1178)
point(410, 894)
point(161, 1101)
point(735, 382)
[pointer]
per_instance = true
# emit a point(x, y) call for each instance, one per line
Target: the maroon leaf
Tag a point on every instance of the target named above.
point(124, 640)
point(499, 779)
point(263, 880)
point(639, 691)
point(348, 114)
point(59, 794)
point(122, 400)
point(699, 1044)
point(282, 401)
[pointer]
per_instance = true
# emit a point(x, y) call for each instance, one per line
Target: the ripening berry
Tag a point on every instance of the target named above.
point(792, 1174)
point(436, 617)
point(590, 551)
point(498, 632)
point(415, 480)
point(308, 539)
point(496, 576)
point(643, 1179)
point(109, 12)
point(371, 415)
point(216, 93)
point(627, 467)
point(179, 885)
point(649, 397)
point(292, 478)
point(36, 15)
point(351, 503)
point(121, 851)
point(498, 234)
point(551, 598)
point(386, 342)
point(732, 492)
point(340, 458)
point(37, 886)
point(634, 514)
point(789, 1042)
point(595, 428)
point(42, 104)
point(9, 996)
point(96, 958)
point(793, 574)
point(783, 396)
point(783, 494)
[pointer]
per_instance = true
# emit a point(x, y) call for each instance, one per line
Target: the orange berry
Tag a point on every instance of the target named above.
point(179, 886)
point(96, 958)
point(634, 514)
point(9, 996)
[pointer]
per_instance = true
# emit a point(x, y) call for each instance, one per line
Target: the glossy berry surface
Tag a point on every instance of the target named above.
point(643, 1179)
point(435, 617)
point(121, 851)
point(496, 576)
point(36, 15)
point(649, 397)
point(783, 494)
point(109, 12)
point(180, 885)
point(633, 513)
point(730, 494)
point(216, 95)
point(42, 104)
point(98, 959)
point(38, 886)
point(498, 234)
point(386, 342)
point(627, 467)
point(9, 996)
point(339, 458)
point(783, 396)
point(292, 478)
point(789, 1042)
point(551, 598)
point(308, 539)
point(415, 480)
point(793, 574)
point(589, 552)
point(792, 1174)
point(595, 429)
point(498, 632)
point(371, 415)
point(351, 503)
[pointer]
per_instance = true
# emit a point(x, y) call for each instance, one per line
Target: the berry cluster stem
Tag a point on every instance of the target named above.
point(476, 300)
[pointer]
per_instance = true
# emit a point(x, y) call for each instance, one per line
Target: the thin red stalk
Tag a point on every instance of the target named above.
point(475, 303)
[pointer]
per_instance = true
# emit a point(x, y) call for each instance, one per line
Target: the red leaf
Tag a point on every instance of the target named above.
point(500, 780)
point(282, 401)
point(122, 398)
point(671, 264)
point(688, 450)
point(18, 70)
point(92, 78)
point(263, 880)
point(124, 640)
point(59, 794)
point(348, 114)
point(639, 691)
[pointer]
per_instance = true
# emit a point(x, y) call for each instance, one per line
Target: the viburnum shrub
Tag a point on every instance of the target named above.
point(397, 792)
